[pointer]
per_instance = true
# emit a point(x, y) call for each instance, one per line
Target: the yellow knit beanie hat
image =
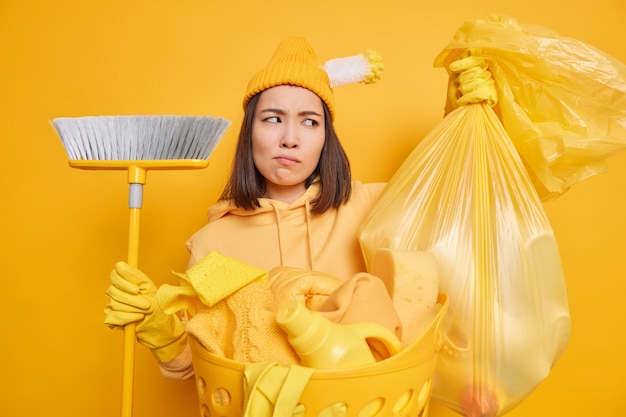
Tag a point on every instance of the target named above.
point(295, 63)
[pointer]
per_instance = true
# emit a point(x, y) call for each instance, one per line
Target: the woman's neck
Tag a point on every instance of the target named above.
point(285, 194)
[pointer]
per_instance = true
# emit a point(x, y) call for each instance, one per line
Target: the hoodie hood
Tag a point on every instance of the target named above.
point(275, 212)
point(223, 208)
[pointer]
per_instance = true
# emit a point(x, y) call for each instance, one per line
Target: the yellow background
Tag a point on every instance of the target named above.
point(63, 229)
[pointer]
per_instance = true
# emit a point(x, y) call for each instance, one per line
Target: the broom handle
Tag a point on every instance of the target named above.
point(136, 179)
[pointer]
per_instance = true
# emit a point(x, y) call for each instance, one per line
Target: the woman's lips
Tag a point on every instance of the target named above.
point(286, 160)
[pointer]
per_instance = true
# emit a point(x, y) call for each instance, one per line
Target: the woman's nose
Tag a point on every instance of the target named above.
point(290, 138)
point(288, 144)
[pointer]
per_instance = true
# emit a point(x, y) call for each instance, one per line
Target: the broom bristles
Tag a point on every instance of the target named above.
point(140, 137)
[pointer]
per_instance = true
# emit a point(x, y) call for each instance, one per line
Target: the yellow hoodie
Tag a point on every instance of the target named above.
point(281, 234)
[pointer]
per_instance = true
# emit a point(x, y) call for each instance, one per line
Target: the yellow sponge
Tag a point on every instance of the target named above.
point(216, 276)
point(412, 280)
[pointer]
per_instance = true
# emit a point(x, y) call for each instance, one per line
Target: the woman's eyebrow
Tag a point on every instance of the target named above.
point(272, 110)
point(310, 113)
point(283, 112)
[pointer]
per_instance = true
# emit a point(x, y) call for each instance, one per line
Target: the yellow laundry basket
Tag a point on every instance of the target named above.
point(399, 386)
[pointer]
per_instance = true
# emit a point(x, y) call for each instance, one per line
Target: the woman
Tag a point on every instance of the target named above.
point(290, 200)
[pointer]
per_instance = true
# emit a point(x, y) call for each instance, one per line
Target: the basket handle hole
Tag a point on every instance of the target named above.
point(221, 397)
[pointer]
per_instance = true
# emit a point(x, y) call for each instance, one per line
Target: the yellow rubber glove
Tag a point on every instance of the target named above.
point(311, 288)
point(470, 82)
point(132, 298)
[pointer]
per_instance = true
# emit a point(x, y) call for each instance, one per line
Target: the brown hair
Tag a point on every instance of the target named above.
point(246, 184)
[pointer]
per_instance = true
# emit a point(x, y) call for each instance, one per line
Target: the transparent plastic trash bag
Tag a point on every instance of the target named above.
point(464, 195)
point(471, 193)
point(562, 101)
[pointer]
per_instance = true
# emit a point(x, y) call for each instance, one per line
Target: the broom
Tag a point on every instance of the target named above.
point(138, 144)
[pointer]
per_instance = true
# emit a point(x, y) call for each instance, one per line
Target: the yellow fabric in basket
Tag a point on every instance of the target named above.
point(243, 327)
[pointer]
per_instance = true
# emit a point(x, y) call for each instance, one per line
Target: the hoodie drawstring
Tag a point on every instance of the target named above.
point(308, 234)
point(280, 241)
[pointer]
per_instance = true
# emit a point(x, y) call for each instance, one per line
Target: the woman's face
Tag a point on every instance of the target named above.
point(287, 139)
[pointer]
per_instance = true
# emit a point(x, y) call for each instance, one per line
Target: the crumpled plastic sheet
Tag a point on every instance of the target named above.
point(562, 101)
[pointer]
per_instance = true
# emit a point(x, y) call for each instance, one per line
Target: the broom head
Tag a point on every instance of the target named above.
point(152, 141)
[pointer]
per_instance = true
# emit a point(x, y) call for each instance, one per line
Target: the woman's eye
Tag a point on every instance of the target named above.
point(309, 122)
point(273, 119)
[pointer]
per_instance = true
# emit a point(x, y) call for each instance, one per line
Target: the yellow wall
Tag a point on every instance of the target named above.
point(63, 229)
